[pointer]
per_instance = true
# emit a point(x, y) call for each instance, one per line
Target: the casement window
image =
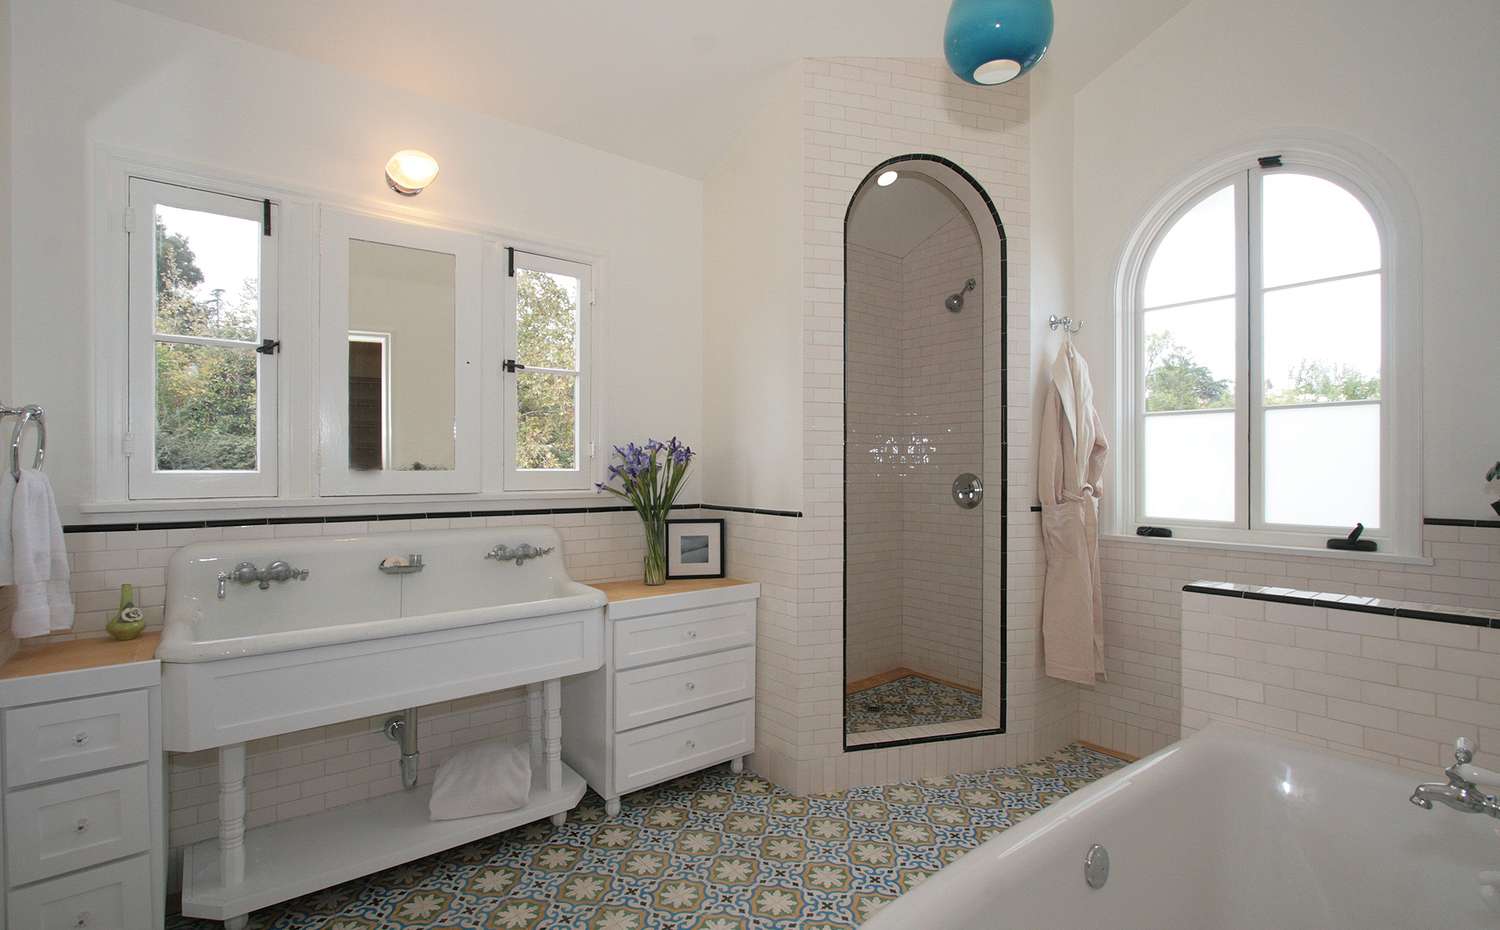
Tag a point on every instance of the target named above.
point(1259, 315)
point(202, 361)
point(546, 390)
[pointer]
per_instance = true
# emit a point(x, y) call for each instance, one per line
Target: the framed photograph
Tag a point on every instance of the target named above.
point(695, 548)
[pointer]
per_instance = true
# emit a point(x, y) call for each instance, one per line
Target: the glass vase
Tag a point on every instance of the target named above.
point(656, 550)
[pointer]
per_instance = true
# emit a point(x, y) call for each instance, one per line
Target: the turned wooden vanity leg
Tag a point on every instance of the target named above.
point(534, 723)
point(737, 764)
point(612, 806)
point(232, 821)
point(552, 730)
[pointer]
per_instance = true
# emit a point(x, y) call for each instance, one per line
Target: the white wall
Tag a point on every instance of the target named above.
point(752, 309)
point(91, 72)
point(1416, 83)
point(5, 215)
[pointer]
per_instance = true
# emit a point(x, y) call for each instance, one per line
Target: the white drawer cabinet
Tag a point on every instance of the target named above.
point(82, 794)
point(676, 693)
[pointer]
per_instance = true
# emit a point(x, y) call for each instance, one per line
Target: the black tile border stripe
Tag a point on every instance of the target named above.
point(361, 518)
point(1460, 521)
point(1382, 607)
point(755, 510)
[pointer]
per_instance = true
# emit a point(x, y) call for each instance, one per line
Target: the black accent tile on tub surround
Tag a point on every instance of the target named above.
point(1368, 605)
point(1460, 521)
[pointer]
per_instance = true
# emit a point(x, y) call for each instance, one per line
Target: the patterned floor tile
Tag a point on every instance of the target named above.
point(711, 851)
point(909, 701)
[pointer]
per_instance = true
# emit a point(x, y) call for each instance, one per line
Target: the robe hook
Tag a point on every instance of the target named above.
point(1066, 322)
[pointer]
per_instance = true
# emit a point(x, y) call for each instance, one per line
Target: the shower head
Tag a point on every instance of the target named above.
point(955, 302)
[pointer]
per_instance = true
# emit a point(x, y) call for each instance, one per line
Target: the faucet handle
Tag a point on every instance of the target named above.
point(1463, 750)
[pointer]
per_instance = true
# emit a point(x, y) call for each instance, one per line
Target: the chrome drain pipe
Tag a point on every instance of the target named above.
point(403, 730)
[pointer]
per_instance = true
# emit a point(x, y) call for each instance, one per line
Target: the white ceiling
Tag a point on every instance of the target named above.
point(666, 82)
point(898, 218)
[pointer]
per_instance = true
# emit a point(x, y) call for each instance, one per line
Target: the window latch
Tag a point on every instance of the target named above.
point(511, 366)
point(269, 347)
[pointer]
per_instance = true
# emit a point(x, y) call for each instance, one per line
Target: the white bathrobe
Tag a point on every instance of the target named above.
point(1070, 468)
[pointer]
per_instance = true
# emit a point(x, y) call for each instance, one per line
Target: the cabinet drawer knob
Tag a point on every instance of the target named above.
point(691, 745)
point(80, 738)
point(82, 825)
point(83, 919)
point(691, 686)
point(691, 634)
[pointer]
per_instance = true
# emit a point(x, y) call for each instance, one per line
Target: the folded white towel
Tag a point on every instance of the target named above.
point(39, 560)
point(7, 494)
point(486, 779)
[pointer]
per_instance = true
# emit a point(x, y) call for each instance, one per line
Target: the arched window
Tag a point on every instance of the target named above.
point(1259, 310)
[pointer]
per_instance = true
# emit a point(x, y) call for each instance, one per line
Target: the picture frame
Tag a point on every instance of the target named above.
point(695, 549)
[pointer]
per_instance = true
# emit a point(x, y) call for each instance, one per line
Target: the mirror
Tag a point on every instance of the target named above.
point(401, 362)
point(400, 343)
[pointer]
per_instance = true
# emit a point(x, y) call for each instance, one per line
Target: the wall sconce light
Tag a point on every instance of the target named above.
point(409, 171)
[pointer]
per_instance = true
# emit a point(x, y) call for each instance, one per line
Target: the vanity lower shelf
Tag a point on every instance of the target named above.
point(306, 854)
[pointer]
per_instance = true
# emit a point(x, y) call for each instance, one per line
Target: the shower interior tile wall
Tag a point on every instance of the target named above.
point(914, 413)
point(1138, 710)
point(873, 416)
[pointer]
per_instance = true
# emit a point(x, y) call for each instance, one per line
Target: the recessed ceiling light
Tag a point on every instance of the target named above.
point(887, 178)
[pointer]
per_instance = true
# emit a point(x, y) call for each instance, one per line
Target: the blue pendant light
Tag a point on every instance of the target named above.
point(994, 41)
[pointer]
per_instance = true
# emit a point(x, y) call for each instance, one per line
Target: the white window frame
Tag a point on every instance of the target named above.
point(144, 481)
point(1383, 193)
point(296, 213)
point(583, 477)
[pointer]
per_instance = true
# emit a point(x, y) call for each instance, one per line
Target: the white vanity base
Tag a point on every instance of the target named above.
point(305, 854)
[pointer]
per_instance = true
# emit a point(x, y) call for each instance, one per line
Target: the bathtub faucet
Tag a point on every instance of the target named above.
point(1462, 792)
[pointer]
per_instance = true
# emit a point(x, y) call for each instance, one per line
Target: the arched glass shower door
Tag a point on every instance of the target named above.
point(924, 463)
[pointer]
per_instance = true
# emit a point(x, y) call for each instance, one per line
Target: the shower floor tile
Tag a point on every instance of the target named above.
point(909, 701)
point(709, 851)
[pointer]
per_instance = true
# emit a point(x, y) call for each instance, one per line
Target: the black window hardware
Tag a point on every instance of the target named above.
point(1270, 161)
point(1352, 542)
point(511, 366)
point(510, 262)
point(265, 217)
point(269, 347)
point(1158, 531)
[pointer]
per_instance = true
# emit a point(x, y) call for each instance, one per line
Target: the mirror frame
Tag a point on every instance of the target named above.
point(336, 478)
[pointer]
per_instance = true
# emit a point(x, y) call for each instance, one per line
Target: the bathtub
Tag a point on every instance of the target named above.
point(1226, 829)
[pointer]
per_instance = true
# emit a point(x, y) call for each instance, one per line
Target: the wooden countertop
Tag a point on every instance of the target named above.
point(79, 654)
point(630, 590)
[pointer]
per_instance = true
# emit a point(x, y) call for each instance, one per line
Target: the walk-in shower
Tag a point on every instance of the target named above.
point(924, 417)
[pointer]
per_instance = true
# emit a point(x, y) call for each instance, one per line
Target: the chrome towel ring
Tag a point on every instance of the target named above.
point(29, 413)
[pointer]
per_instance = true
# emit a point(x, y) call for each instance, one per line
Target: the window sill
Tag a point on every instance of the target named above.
point(1389, 558)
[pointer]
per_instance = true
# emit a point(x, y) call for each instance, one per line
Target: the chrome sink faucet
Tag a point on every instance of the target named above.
point(521, 554)
point(1462, 792)
point(246, 572)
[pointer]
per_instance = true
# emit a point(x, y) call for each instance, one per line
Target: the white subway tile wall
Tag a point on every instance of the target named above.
point(1139, 709)
point(858, 113)
point(1392, 689)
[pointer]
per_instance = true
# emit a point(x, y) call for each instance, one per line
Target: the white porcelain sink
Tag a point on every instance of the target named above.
point(351, 640)
point(346, 597)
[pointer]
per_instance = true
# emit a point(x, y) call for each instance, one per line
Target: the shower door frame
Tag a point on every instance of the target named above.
point(1003, 454)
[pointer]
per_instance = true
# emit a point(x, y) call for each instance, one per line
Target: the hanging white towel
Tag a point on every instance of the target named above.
point(1070, 471)
point(39, 560)
point(7, 495)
